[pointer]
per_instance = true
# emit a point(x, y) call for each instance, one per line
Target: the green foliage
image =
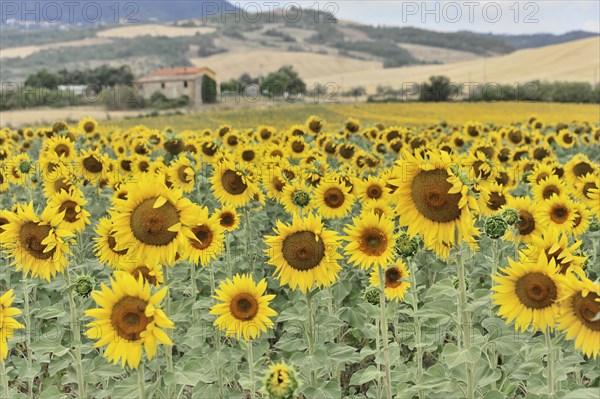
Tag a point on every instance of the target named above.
point(285, 80)
point(209, 90)
point(439, 88)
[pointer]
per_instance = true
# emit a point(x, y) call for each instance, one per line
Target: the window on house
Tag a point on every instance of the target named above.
point(162, 85)
point(185, 83)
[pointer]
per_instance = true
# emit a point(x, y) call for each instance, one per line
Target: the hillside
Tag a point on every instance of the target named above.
point(561, 62)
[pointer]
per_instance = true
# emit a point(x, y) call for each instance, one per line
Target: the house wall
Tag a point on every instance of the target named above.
point(174, 89)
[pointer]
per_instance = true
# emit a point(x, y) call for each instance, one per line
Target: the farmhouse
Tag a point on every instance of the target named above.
point(197, 83)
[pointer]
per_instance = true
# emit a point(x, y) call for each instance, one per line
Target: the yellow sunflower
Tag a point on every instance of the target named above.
point(396, 283)
point(555, 245)
point(558, 213)
point(154, 219)
point(91, 165)
point(333, 199)
point(244, 311)
point(528, 293)
point(373, 188)
point(127, 319)
point(582, 219)
point(579, 166)
point(578, 314)
point(150, 272)
point(493, 197)
point(529, 224)
point(60, 146)
point(8, 324)
point(228, 218)
point(181, 173)
point(304, 253)
point(71, 203)
point(281, 381)
point(88, 125)
point(566, 138)
point(583, 186)
point(437, 205)
point(36, 243)
point(205, 237)
point(105, 245)
point(297, 197)
point(371, 241)
point(548, 187)
point(233, 186)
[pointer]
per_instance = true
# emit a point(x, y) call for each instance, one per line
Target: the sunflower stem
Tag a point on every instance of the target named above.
point(168, 349)
point(4, 376)
point(383, 324)
point(28, 327)
point(495, 260)
point(310, 329)
point(142, 382)
point(194, 291)
point(251, 369)
point(415, 305)
point(228, 255)
point(550, 362)
point(217, 336)
point(464, 317)
point(76, 335)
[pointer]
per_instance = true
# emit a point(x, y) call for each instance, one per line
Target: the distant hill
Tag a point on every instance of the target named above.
point(541, 39)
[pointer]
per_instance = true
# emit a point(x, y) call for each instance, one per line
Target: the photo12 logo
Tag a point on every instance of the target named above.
point(469, 12)
point(68, 12)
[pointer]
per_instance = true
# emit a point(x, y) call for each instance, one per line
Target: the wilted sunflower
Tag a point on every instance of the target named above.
point(371, 241)
point(436, 203)
point(558, 213)
point(528, 293)
point(304, 253)
point(36, 244)
point(244, 310)
point(205, 237)
point(153, 219)
point(233, 186)
point(396, 283)
point(7, 323)
point(333, 199)
point(75, 218)
point(228, 218)
point(128, 318)
point(578, 314)
point(529, 224)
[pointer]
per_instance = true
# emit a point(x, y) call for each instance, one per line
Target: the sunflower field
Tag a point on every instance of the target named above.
point(315, 261)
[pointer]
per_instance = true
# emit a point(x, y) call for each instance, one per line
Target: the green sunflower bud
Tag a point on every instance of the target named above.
point(25, 167)
point(301, 198)
point(372, 295)
point(84, 285)
point(594, 225)
point(280, 382)
point(406, 246)
point(511, 216)
point(495, 227)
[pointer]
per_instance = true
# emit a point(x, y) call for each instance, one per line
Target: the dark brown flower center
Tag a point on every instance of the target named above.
point(209, 149)
point(89, 127)
point(393, 277)
point(374, 191)
point(244, 306)
point(31, 237)
point(144, 271)
point(559, 214)
point(278, 184)
point(549, 191)
point(303, 250)
point(582, 168)
point(150, 225)
point(297, 146)
point(373, 241)
point(70, 209)
point(91, 164)
point(248, 155)
point(233, 183)
point(62, 149)
point(204, 234)
point(227, 219)
point(496, 201)
point(586, 309)
point(333, 197)
point(526, 223)
point(536, 290)
point(587, 187)
point(112, 243)
point(129, 319)
point(431, 198)
point(182, 175)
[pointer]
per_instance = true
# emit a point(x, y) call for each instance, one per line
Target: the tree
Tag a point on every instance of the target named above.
point(44, 79)
point(438, 89)
point(209, 90)
point(285, 80)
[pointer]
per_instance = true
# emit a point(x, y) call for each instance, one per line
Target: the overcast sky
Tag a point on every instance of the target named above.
point(510, 16)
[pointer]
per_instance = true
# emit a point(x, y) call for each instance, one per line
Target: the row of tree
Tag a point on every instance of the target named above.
point(103, 76)
point(275, 84)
